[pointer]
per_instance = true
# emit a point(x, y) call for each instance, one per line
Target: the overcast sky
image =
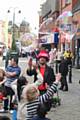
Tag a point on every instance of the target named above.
point(29, 10)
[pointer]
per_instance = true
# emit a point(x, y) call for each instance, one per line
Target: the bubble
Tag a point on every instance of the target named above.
point(66, 25)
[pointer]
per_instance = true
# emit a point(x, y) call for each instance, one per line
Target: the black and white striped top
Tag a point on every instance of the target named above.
point(32, 106)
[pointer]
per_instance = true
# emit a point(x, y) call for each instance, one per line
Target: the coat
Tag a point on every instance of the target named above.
point(49, 76)
point(63, 67)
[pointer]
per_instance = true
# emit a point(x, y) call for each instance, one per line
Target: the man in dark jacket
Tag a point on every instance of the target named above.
point(63, 69)
point(46, 71)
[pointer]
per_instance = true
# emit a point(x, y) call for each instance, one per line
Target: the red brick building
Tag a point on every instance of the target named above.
point(76, 39)
point(65, 5)
point(74, 21)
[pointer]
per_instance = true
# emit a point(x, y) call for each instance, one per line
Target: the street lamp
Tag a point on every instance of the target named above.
point(13, 47)
point(13, 52)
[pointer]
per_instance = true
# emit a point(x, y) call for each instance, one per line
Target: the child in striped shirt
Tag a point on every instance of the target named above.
point(41, 113)
point(34, 99)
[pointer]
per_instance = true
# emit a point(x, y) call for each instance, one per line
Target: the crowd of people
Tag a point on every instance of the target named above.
point(33, 101)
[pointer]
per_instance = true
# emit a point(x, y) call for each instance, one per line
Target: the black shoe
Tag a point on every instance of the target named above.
point(65, 89)
point(60, 88)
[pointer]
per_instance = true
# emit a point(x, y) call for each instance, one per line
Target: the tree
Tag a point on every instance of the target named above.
point(13, 46)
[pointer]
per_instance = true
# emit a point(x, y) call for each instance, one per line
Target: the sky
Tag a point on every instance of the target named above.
point(29, 11)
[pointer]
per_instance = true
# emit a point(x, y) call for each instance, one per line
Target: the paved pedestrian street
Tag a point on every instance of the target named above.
point(70, 101)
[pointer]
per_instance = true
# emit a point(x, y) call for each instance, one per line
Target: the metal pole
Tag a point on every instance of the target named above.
point(13, 24)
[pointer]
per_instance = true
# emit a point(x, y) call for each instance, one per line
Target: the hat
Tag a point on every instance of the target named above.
point(43, 53)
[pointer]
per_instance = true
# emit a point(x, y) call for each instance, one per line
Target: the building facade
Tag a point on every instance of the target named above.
point(50, 9)
point(56, 8)
point(76, 39)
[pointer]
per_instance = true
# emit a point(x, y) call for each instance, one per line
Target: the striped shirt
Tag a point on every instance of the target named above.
point(32, 106)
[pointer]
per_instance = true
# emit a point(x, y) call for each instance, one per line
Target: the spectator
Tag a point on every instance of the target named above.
point(21, 83)
point(2, 74)
point(53, 55)
point(2, 77)
point(69, 60)
point(63, 69)
point(12, 73)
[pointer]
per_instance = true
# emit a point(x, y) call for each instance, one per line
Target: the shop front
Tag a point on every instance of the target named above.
point(47, 40)
point(77, 49)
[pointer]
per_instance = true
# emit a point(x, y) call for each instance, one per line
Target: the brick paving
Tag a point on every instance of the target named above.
point(70, 101)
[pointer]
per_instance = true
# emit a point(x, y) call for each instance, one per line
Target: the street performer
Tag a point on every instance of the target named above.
point(46, 71)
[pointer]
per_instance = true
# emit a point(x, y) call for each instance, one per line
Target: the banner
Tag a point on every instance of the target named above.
point(46, 39)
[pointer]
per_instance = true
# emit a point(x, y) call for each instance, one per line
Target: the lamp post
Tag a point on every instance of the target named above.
point(13, 47)
point(13, 52)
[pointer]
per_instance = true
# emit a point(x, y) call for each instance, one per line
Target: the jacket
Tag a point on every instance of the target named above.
point(63, 67)
point(49, 76)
